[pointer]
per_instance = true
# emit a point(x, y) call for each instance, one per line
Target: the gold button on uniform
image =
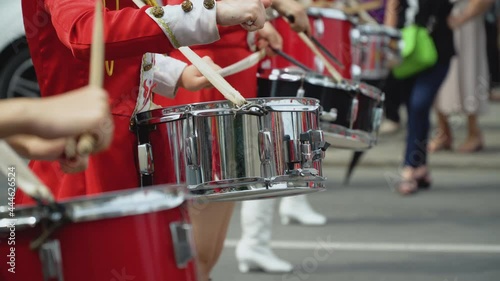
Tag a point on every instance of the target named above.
point(157, 11)
point(147, 67)
point(187, 6)
point(209, 4)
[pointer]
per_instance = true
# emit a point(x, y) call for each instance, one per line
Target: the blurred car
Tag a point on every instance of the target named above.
point(17, 75)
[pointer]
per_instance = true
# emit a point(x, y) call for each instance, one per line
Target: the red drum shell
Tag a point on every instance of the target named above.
point(133, 247)
point(332, 29)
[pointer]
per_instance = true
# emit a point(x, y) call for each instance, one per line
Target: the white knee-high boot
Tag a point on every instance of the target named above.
point(253, 250)
point(297, 208)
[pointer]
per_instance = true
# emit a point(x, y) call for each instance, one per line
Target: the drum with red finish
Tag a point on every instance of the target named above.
point(330, 27)
point(140, 234)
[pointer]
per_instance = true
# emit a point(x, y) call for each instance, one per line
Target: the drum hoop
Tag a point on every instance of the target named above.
point(372, 92)
point(306, 105)
point(285, 74)
point(108, 205)
point(372, 29)
point(162, 115)
point(325, 81)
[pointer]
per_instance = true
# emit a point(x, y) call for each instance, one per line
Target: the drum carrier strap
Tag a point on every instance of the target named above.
point(144, 103)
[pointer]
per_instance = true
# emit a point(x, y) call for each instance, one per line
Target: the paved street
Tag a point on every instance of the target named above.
point(449, 233)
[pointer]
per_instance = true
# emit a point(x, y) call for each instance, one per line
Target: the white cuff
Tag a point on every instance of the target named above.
point(198, 26)
point(167, 72)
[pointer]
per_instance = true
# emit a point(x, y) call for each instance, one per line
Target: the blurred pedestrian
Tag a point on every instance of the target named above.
point(466, 88)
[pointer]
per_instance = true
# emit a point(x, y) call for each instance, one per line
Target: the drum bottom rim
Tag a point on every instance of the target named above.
point(341, 137)
point(256, 194)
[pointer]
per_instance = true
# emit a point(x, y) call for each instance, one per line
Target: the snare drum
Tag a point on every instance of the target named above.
point(330, 26)
point(224, 153)
point(351, 113)
point(375, 49)
point(127, 235)
point(368, 43)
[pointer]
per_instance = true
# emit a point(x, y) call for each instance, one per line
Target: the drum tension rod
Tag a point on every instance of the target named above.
point(56, 216)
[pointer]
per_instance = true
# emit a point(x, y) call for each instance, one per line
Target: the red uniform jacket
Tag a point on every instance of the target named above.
point(59, 34)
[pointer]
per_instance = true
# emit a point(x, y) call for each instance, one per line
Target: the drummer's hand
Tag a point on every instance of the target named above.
point(295, 10)
point(250, 14)
point(191, 78)
point(85, 110)
point(269, 38)
point(75, 165)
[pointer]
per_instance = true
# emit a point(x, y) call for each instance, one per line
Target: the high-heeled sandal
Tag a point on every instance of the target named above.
point(407, 187)
point(471, 146)
point(423, 178)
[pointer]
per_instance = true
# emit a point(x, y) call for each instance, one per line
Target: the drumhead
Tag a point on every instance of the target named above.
point(219, 108)
point(328, 82)
point(107, 205)
point(372, 29)
point(288, 104)
point(346, 85)
point(162, 115)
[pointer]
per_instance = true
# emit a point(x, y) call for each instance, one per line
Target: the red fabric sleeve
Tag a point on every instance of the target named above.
point(128, 32)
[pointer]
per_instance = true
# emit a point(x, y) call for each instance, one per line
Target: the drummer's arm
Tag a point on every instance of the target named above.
point(170, 74)
point(16, 116)
point(391, 13)
point(36, 148)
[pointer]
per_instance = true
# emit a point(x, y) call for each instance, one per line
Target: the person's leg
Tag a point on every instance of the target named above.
point(391, 106)
point(443, 138)
point(419, 105)
point(492, 52)
point(474, 141)
point(210, 222)
point(254, 250)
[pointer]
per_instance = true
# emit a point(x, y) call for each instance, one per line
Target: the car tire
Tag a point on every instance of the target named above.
point(17, 76)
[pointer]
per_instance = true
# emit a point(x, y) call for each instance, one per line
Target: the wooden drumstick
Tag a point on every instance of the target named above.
point(87, 142)
point(366, 6)
point(215, 78)
point(14, 167)
point(228, 91)
point(243, 64)
point(335, 74)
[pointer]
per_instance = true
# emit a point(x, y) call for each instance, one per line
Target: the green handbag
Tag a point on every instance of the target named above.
point(419, 52)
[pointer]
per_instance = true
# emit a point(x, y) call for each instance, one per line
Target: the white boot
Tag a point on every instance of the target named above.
point(297, 208)
point(253, 251)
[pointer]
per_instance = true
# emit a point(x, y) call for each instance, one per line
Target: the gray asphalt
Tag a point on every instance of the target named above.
point(462, 208)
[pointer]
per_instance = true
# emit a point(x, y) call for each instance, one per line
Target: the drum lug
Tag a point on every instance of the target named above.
point(192, 159)
point(315, 149)
point(51, 259)
point(145, 157)
point(330, 116)
point(182, 243)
